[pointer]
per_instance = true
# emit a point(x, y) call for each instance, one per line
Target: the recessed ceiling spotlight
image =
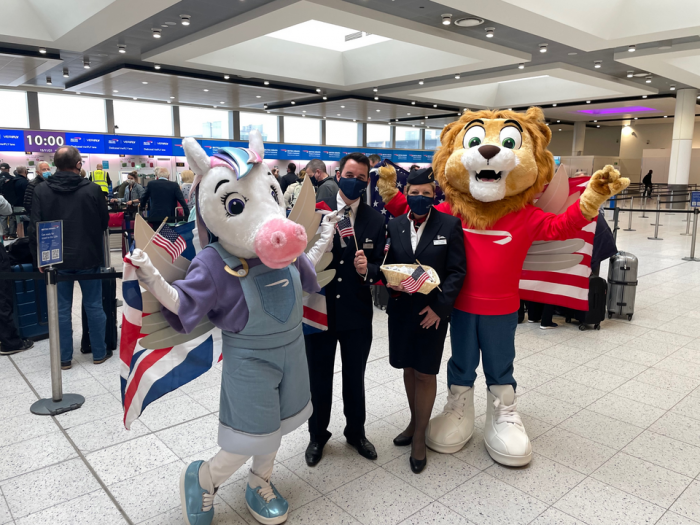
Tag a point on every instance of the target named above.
point(378, 110)
point(597, 64)
point(338, 114)
point(672, 88)
point(421, 82)
point(48, 81)
point(559, 129)
point(216, 107)
point(665, 116)
point(434, 105)
point(413, 103)
point(630, 74)
point(303, 111)
point(342, 107)
point(172, 97)
point(266, 82)
point(595, 121)
point(376, 98)
point(121, 48)
point(156, 32)
point(635, 118)
point(270, 112)
point(226, 77)
point(258, 96)
point(42, 50)
point(588, 101)
point(422, 122)
point(185, 20)
point(457, 76)
point(521, 66)
point(264, 106)
point(86, 63)
point(65, 72)
point(78, 93)
point(408, 114)
point(222, 102)
point(469, 21)
point(375, 90)
point(554, 105)
point(318, 90)
point(543, 48)
point(325, 97)
point(205, 90)
point(489, 31)
point(168, 101)
point(293, 103)
point(144, 82)
point(426, 116)
point(644, 96)
point(354, 120)
point(303, 115)
point(648, 80)
point(558, 120)
point(632, 49)
point(572, 54)
point(446, 19)
point(115, 91)
point(598, 126)
point(135, 98)
point(157, 66)
point(369, 118)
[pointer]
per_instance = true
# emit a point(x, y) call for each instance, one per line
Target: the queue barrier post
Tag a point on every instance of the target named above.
point(658, 211)
point(616, 217)
point(629, 219)
point(644, 206)
point(687, 220)
point(670, 203)
point(656, 226)
point(692, 257)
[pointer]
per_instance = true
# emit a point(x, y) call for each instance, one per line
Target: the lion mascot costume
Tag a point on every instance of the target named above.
point(491, 165)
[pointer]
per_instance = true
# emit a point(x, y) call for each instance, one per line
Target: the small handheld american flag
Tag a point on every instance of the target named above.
point(345, 227)
point(170, 241)
point(387, 245)
point(413, 282)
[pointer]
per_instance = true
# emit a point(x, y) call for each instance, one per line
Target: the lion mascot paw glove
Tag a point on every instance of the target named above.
point(492, 166)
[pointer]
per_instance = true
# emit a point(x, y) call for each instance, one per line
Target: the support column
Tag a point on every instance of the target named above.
point(109, 111)
point(176, 121)
point(682, 143)
point(579, 138)
point(33, 109)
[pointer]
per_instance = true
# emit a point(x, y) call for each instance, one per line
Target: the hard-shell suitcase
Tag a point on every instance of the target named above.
point(622, 278)
point(597, 303)
point(380, 296)
point(109, 305)
point(30, 312)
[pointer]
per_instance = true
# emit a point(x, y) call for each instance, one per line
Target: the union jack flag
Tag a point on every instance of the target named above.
point(345, 227)
point(148, 374)
point(171, 241)
point(413, 282)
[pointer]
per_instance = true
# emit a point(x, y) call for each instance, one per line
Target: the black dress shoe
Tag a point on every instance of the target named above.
point(364, 447)
point(402, 441)
point(417, 465)
point(314, 453)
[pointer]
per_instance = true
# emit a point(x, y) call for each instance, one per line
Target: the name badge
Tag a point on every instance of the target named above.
point(437, 242)
point(368, 246)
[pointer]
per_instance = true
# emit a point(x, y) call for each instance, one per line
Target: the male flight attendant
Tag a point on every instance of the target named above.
point(349, 305)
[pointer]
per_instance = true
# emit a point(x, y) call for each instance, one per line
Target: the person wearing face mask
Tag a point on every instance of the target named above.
point(349, 312)
point(326, 186)
point(418, 322)
point(132, 192)
point(43, 171)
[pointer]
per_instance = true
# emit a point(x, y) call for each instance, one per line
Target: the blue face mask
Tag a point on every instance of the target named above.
point(46, 174)
point(352, 188)
point(419, 204)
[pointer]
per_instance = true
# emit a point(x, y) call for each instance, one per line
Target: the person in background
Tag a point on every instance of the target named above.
point(187, 180)
point(418, 322)
point(83, 209)
point(7, 184)
point(162, 197)
point(101, 178)
point(43, 172)
point(293, 190)
point(21, 183)
point(326, 186)
point(133, 191)
point(290, 177)
point(83, 174)
point(648, 186)
point(374, 159)
point(414, 167)
point(4, 172)
point(349, 306)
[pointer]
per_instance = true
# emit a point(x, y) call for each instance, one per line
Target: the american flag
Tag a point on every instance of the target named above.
point(413, 282)
point(171, 241)
point(345, 227)
point(148, 374)
point(387, 245)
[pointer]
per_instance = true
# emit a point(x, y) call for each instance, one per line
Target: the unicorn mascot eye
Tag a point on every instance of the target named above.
point(248, 281)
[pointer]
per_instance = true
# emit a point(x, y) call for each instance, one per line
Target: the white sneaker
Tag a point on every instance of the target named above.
point(504, 434)
point(450, 431)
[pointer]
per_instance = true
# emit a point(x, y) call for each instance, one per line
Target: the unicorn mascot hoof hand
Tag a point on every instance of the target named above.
point(249, 282)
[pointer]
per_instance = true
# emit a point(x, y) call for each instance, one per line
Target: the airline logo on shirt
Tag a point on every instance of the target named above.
point(507, 236)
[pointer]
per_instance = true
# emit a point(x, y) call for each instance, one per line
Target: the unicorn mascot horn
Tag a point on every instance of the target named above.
point(250, 283)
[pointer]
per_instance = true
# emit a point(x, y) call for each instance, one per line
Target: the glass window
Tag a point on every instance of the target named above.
point(432, 138)
point(407, 138)
point(341, 133)
point(14, 109)
point(143, 118)
point(264, 123)
point(72, 113)
point(202, 122)
point(378, 136)
point(298, 130)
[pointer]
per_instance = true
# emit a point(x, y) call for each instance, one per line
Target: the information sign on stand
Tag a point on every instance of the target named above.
point(695, 199)
point(50, 240)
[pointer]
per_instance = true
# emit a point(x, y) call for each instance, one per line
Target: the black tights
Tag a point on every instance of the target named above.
point(421, 390)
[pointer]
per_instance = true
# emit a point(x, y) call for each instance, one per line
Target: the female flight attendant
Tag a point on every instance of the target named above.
point(418, 322)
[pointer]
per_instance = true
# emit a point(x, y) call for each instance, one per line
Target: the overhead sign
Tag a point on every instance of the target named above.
point(695, 199)
point(155, 146)
point(43, 141)
point(86, 142)
point(12, 140)
point(49, 236)
point(121, 144)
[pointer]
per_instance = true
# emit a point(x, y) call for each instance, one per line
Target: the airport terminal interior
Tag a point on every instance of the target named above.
point(609, 406)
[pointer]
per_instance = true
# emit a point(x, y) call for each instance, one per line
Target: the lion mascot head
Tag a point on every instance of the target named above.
point(493, 162)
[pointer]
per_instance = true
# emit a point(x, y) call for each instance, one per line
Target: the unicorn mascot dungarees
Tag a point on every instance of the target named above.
point(249, 283)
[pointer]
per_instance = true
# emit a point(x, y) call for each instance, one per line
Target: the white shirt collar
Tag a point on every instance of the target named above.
point(416, 235)
point(353, 206)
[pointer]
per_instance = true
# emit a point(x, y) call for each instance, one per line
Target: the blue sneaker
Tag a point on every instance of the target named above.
point(264, 502)
point(194, 498)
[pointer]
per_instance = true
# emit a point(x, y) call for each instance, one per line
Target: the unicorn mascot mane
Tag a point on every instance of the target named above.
point(249, 281)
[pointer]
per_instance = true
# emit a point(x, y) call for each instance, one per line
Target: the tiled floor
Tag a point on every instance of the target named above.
point(614, 416)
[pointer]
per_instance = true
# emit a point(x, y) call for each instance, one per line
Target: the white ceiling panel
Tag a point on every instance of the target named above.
point(680, 63)
point(17, 69)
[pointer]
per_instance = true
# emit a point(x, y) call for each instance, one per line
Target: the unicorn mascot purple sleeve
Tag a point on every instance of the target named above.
point(249, 282)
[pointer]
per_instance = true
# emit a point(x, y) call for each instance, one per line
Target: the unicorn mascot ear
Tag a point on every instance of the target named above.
point(199, 163)
point(255, 143)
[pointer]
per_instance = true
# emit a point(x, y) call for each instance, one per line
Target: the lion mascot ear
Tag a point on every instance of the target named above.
point(536, 116)
point(442, 154)
point(541, 136)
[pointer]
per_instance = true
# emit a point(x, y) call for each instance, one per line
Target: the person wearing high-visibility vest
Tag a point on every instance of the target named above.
point(101, 178)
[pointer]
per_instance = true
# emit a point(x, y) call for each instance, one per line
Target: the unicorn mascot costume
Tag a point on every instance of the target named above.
point(249, 282)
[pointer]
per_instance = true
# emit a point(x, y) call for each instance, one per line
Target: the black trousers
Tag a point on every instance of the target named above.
point(9, 337)
point(647, 190)
point(320, 353)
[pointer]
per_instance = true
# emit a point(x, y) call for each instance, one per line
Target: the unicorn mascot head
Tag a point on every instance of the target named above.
point(248, 280)
point(240, 202)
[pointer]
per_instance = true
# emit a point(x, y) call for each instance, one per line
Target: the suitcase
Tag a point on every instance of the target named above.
point(597, 305)
point(380, 296)
point(622, 278)
point(109, 305)
point(30, 312)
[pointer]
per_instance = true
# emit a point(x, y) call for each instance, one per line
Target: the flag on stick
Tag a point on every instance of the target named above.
point(413, 282)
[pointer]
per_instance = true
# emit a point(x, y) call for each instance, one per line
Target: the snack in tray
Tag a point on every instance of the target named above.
point(395, 274)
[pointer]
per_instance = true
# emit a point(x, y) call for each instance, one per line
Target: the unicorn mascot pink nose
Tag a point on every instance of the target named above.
point(279, 241)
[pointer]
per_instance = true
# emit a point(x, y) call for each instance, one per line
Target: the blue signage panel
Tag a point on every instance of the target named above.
point(311, 152)
point(12, 140)
point(86, 142)
point(415, 156)
point(331, 154)
point(272, 151)
point(49, 235)
point(288, 152)
point(155, 146)
point(177, 148)
point(400, 156)
point(122, 144)
point(695, 199)
point(428, 156)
